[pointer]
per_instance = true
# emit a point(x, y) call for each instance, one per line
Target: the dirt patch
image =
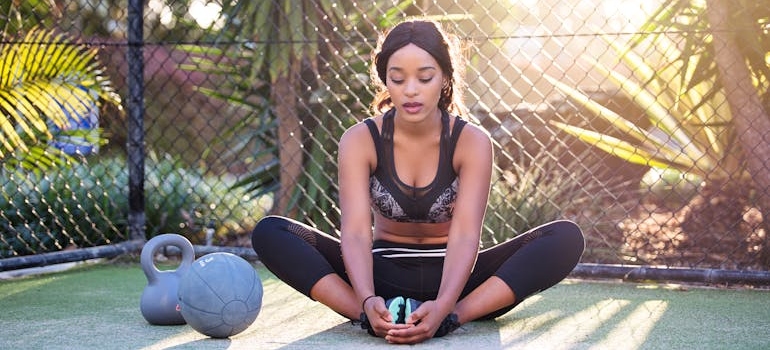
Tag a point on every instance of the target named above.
point(713, 230)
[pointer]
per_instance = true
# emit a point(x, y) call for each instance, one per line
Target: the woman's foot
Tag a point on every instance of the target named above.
point(400, 308)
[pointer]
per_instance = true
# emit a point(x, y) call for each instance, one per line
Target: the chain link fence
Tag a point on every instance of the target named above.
point(599, 114)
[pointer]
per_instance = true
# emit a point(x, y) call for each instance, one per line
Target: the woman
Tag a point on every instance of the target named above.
point(414, 183)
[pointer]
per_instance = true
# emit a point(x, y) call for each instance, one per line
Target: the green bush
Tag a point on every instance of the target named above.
point(78, 205)
point(86, 204)
point(536, 190)
point(184, 201)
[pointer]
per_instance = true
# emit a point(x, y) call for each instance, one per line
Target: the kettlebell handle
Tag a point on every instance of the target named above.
point(167, 239)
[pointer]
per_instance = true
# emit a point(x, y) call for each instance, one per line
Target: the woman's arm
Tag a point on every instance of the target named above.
point(356, 157)
point(473, 161)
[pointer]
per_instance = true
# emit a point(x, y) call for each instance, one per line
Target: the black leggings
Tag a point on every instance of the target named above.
point(531, 262)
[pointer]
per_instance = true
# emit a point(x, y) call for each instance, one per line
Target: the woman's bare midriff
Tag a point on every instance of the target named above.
point(410, 233)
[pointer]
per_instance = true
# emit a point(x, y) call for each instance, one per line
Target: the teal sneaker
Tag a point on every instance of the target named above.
point(400, 308)
point(409, 306)
point(396, 308)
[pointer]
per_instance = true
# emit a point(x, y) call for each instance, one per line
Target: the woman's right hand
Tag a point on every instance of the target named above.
point(380, 318)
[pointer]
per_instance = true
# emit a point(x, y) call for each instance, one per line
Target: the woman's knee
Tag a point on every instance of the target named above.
point(267, 229)
point(573, 232)
point(268, 223)
point(570, 236)
point(567, 237)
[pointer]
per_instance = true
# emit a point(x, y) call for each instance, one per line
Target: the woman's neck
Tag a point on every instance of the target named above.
point(427, 126)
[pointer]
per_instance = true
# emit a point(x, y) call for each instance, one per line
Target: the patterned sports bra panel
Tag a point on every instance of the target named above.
point(385, 204)
point(397, 201)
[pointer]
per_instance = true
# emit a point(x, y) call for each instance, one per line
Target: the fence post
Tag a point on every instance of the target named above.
point(135, 106)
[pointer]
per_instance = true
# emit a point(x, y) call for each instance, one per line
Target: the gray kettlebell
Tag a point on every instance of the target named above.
point(159, 302)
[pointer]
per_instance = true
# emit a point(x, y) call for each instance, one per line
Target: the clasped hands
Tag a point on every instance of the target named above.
point(419, 326)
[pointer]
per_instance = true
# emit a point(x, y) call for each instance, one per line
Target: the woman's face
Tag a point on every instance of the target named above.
point(414, 81)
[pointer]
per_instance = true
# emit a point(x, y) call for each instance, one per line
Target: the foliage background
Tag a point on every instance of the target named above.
point(598, 110)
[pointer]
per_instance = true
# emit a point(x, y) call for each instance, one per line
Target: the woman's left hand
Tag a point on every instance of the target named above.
point(424, 321)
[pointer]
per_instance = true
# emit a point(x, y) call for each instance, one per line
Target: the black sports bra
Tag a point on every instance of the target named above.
point(398, 201)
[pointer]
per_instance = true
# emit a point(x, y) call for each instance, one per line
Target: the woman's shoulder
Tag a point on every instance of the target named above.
point(358, 138)
point(359, 129)
point(473, 148)
point(357, 148)
point(473, 133)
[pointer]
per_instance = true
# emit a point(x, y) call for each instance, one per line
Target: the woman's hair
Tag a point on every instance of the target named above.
point(429, 36)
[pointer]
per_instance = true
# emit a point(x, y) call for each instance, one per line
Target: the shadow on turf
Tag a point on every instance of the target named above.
point(207, 343)
point(478, 335)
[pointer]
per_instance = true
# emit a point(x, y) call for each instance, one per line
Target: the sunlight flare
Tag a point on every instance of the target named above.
point(632, 332)
point(580, 326)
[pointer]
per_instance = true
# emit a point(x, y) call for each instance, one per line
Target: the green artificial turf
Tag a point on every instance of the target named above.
point(97, 307)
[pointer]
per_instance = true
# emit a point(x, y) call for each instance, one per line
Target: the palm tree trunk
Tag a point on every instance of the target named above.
point(750, 119)
point(290, 141)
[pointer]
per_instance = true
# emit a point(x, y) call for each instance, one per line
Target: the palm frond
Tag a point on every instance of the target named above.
point(46, 81)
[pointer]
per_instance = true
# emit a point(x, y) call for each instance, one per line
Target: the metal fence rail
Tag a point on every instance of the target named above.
point(230, 111)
